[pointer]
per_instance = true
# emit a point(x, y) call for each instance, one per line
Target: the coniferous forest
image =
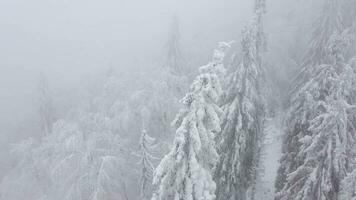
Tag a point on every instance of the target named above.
point(178, 100)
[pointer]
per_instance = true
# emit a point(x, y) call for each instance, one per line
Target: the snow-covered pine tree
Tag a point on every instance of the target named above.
point(328, 22)
point(86, 160)
point(146, 145)
point(348, 187)
point(320, 132)
point(348, 184)
point(174, 73)
point(297, 123)
point(175, 61)
point(167, 87)
point(186, 171)
point(243, 118)
point(219, 67)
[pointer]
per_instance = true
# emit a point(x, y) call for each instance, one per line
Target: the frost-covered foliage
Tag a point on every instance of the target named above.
point(329, 22)
point(186, 171)
point(164, 103)
point(169, 84)
point(243, 118)
point(298, 121)
point(348, 187)
point(124, 107)
point(218, 60)
point(158, 89)
point(317, 151)
point(112, 119)
point(219, 67)
point(146, 164)
point(18, 188)
point(76, 162)
point(326, 25)
point(317, 155)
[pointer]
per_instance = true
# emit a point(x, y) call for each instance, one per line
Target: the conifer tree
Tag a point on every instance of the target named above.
point(348, 187)
point(175, 61)
point(186, 171)
point(243, 117)
point(328, 22)
point(328, 134)
point(146, 144)
point(320, 131)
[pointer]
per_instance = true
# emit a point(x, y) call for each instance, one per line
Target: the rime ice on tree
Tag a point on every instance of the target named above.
point(320, 136)
point(146, 145)
point(186, 172)
point(241, 135)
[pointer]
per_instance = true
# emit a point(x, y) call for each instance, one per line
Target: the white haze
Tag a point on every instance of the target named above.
point(72, 41)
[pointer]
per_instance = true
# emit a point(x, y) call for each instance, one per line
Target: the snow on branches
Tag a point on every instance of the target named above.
point(242, 121)
point(186, 171)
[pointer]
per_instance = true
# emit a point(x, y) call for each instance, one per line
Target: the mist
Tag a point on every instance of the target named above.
point(110, 61)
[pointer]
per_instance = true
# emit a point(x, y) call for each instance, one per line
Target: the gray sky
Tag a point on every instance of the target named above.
point(70, 40)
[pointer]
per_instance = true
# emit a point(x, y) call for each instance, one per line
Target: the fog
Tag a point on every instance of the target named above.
point(74, 43)
point(71, 41)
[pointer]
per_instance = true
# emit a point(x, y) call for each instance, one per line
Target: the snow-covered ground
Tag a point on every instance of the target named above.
point(271, 153)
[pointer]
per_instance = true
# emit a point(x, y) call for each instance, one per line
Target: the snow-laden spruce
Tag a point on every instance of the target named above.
point(348, 187)
point(321, 132)
point(146, 145)
point(175, 61)
point(298, 120)
point(322, 154)
point(243, 118)
point(186, 171)
point(328, 22)
point(218, 62)
point(164, 89)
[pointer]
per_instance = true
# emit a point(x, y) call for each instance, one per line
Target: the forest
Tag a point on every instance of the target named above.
point(178, 100)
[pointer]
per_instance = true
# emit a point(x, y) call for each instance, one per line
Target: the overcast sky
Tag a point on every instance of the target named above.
point(70, 40)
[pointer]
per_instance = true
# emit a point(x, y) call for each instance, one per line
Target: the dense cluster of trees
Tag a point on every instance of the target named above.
point(109, 147)
point(318, 150)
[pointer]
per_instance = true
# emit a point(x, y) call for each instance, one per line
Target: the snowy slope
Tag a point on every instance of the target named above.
point(271, 152)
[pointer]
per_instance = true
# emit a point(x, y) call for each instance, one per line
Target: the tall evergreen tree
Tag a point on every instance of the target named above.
point(175, 61)
point(348, 187)
point(322, 146)
point(320, 131)
point(146, 145)
point(243, 117)
point(219, 66)
point(186, 171)
point(328, 22)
